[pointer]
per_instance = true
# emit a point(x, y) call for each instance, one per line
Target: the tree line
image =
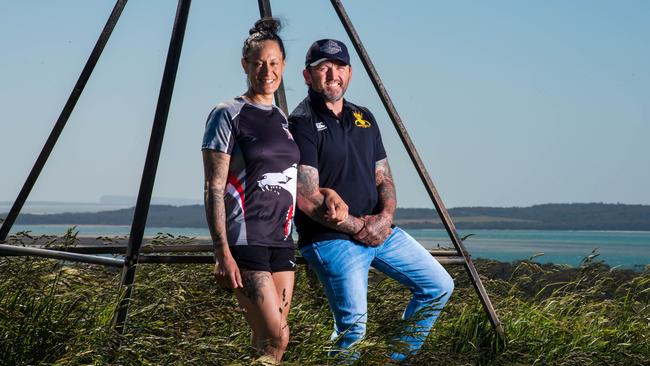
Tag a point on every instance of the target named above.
point(572, 216)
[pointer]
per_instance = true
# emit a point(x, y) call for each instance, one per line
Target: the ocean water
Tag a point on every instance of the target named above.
point(616, 248)
point(629, 249)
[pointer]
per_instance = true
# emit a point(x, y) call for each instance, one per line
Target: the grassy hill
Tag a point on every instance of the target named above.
point(54, 314)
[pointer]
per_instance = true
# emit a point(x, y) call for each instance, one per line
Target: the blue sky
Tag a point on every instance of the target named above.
point(509, 103)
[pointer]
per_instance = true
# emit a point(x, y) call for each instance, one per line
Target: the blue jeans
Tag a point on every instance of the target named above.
point(342, 267)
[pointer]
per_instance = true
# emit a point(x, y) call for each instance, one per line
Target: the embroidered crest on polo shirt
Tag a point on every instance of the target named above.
point(320, 126)
point(330, 47)
point(359, 121)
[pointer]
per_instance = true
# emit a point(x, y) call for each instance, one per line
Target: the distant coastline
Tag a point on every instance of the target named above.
point(572, 216)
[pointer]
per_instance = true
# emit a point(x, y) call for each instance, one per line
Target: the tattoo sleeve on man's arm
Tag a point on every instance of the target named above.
point(308, 185)
point(311, 202)
point(385, 187)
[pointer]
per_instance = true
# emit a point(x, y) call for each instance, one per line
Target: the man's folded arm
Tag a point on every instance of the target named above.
point(385, 189)
point(311, 202)
point(378, 227)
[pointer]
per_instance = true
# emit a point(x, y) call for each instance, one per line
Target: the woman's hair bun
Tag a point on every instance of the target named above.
point(263, 30)
point(266, 25)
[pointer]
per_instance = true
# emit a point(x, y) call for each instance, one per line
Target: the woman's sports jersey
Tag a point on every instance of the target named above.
point(260, 194)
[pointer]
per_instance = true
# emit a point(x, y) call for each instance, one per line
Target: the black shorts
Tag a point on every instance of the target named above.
point(267, 259)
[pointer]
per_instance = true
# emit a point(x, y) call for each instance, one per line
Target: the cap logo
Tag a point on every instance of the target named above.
point(330, 47)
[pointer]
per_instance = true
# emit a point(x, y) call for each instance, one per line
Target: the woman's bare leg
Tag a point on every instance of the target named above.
point(284, 287)
point(266, 307)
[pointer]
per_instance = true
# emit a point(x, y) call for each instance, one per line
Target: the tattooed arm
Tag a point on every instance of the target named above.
point(378, 227)
point(385, 189)
point(313, 203)
point(215, 166)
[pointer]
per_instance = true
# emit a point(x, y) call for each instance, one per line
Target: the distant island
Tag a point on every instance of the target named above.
point(572, 216)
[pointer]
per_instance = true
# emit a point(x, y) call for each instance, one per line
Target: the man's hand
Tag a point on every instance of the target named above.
point(227, 274)
point(376, 230)
point(337, 209)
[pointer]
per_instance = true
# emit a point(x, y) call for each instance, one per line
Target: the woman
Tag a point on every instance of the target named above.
point(250, 162)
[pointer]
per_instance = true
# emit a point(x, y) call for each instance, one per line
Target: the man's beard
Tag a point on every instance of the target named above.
point(330, 97)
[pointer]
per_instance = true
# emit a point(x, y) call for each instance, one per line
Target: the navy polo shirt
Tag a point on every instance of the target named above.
point(344, 152)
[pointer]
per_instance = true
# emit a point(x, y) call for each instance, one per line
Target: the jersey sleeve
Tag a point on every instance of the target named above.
point(304, 135)
point(219, 131)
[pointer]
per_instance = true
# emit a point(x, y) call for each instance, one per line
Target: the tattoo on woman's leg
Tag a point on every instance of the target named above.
point(284, 298)
point(254, 281)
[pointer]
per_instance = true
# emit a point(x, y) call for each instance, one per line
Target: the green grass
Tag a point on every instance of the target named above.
point(61, 315)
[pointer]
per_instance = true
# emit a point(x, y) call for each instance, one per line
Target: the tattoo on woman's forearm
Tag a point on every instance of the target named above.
point(215, 212)
point(215, 165)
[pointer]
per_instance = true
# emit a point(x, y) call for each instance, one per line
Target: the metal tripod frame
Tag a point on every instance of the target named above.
point(132, 251)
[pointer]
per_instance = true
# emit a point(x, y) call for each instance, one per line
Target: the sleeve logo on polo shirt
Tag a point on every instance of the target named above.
point(359, 121)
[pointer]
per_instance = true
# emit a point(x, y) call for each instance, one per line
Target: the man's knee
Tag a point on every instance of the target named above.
point(441, 289)
point(447, 285)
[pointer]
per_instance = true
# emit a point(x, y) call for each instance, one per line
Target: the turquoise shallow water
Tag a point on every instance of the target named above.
point(616, 248)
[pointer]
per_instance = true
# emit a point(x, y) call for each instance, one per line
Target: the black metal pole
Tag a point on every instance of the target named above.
point(151, 163)
point(209, 259)
point(62, 120)
point(13, 250)
point(419, 165)
point(183, 248)
point(280, 97)
point(80, 254)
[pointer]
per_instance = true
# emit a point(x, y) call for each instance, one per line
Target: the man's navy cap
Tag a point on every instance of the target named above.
point(327, 49)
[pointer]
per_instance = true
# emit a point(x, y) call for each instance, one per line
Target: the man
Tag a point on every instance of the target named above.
point(341, 148)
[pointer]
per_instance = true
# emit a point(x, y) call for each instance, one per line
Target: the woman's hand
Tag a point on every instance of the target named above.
point(336, 208)
point(227, 274)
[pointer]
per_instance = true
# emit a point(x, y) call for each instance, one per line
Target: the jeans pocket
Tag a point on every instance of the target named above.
point(310, 253)
point(325, 243)
point(322, 249)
